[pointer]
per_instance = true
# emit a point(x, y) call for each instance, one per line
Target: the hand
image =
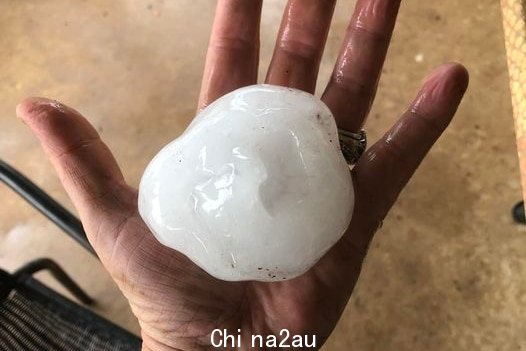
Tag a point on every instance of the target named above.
point(177, 304)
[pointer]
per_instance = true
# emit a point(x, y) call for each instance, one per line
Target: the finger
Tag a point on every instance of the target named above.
point(233, 51)
point(300, 44)
point(388, 165)
point(352, 86)
point(86, 167)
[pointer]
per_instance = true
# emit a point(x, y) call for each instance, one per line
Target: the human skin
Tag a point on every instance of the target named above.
point(177, 304)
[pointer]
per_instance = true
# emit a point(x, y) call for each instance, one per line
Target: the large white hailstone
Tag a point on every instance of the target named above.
point(255, 189)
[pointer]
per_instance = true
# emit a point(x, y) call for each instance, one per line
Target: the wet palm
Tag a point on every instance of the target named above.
point(177, 304)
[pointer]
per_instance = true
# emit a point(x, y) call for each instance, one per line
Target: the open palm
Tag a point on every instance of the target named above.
point(177, 304)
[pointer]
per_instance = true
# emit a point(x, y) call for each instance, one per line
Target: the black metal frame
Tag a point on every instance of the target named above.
point(21, 281)
point(45, 204)
point(22, 274)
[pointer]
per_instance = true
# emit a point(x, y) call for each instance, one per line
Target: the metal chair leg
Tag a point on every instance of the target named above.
point(57, 272)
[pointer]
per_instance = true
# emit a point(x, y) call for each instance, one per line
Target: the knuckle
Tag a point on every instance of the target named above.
point(427, 122)
point(233, 43)
point(75, 147)
point(300, 49)
point(351, 86)
point(395, 150)
point(371, 34)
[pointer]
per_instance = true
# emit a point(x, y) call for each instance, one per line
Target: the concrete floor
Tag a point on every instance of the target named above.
point(448, 269)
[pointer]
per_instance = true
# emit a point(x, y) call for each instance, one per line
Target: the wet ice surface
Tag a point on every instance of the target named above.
point(256, 187)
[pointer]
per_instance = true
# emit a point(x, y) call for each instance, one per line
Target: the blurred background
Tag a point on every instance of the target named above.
point(448, 269)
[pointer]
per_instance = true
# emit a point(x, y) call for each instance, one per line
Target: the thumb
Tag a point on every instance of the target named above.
point(87, 169)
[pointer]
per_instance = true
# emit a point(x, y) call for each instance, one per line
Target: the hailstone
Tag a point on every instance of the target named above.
point(256, 188)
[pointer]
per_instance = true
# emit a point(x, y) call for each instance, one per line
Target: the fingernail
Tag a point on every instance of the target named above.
point(35, 104)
